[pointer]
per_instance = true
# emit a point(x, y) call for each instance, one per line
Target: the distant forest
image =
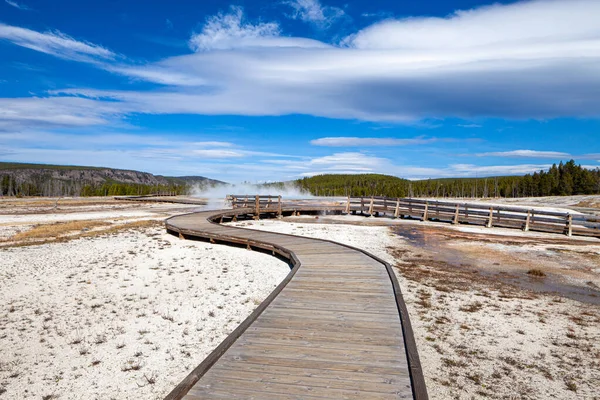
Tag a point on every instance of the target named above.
point(560, 180)
point(20, 180)
point(45, 180)
point(9, 186)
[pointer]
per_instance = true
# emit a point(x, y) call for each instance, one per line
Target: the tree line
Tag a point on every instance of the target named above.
point(560, 180)
point(10, 186)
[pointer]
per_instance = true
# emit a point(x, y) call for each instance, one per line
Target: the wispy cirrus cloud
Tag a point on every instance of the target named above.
point(526, 154)
point(372, 141)
point(506, 61)
point(359, 163)
point(55, 43)
point(227, 31)
point(52, 112)
point(556, 155)
point(20, 6)
point(312, 11)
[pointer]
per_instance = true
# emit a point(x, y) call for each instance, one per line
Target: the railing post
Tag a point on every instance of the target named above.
point(455, 220)
point(279, 210)
point(348, 206)
point(569, 225)
point(397, 212)
point(371, 207)
point(527, 221)
point(257, 207)
point(491, 218)
point(362, 205)
point(425, 217)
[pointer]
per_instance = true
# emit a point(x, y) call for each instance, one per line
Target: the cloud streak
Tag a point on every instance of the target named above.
point(19, 6)
point(505, 61)
point(55, 43)
point(534, 59)
point(526, 154)
point(367, 142)
point(312, 11)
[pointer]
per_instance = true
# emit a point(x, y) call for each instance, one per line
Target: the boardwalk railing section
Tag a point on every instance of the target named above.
point(453, 212)
point(479, 214)
point(258, 203)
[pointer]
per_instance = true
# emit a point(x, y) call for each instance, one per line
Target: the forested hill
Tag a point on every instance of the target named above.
point(562, 179)
point(18, 179)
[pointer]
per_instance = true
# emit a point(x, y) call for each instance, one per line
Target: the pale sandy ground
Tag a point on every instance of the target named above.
point(479, 336)
point(80, 317)
point(125, 315)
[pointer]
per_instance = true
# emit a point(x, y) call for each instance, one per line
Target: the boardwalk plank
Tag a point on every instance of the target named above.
point(332, 331)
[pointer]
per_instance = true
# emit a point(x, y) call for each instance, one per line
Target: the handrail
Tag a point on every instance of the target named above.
point(456, 212)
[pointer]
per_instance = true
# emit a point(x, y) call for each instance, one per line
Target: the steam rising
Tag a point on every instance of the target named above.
point(217, 195)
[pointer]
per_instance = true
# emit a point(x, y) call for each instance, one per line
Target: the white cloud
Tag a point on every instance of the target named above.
point(365, 142)
point(469, 126)
point(226, 31)
point(314, 12)
point(337, 163)
point(487, 29)
point(509, 61)
point(214, 144)
point(19, 113)
point(20, 6)
point(471, 170)
point(535, 59)
point(218, 153)
point(55, 43)
point(232, 31)
point(526, 154)
point(379, 14)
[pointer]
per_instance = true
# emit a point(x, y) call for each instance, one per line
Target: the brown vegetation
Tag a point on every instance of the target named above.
point(48, 231)
point(65, 231)
point(536, 272)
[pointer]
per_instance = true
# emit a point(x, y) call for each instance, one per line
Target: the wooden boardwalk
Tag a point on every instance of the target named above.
point(336, 327)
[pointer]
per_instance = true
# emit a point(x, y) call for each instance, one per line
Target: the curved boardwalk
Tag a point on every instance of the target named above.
point(335, 328)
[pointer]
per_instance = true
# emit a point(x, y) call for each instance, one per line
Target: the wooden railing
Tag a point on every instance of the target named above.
point(499, 216)
point(259, 203)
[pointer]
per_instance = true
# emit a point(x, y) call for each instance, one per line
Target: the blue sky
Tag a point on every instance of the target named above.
point(276, 90)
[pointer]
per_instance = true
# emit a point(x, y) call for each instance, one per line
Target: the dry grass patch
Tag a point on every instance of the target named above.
point(49, 231)
point(52, 202)
point(536, 272)
point(65, 231)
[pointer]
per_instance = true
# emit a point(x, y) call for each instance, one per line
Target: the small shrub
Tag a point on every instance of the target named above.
point(571, 385)
point(100, 339)
point(453, 363)
point(476, 378)
point(473, 307)
point(536, 272)
point(150, 379)
point(131, 365)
